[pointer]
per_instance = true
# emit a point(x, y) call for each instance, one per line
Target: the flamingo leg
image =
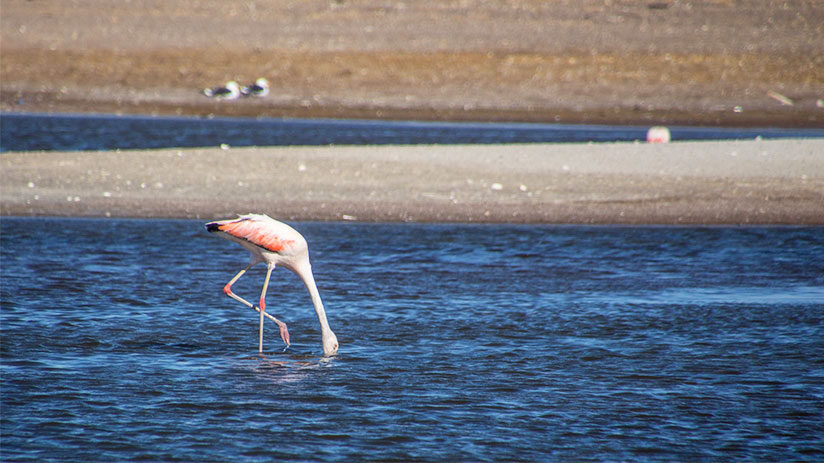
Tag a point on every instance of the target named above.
point(284, 332)
point(228, 288)
point(262, 304)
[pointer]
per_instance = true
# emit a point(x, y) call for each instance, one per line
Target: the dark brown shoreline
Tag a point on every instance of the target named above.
point(49, 103)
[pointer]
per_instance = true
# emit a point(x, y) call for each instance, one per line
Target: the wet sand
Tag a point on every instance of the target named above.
point(742, 182)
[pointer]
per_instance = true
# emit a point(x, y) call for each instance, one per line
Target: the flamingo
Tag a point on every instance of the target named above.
point(274, 243)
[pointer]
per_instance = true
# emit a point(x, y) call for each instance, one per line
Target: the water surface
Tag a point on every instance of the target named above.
point(458, 343)
point(68, 132)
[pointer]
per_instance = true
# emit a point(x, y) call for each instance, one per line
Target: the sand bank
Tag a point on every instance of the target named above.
point(740, 182)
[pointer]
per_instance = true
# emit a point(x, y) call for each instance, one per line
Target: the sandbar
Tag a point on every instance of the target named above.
point(708, 182)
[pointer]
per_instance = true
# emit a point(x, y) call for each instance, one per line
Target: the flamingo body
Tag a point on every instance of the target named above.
point(267, 239)
point(274, 243)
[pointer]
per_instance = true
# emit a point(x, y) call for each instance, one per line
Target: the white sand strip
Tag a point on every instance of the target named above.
point(728, 182)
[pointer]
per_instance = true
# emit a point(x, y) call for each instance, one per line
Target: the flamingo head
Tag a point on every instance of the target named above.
point(330, 343)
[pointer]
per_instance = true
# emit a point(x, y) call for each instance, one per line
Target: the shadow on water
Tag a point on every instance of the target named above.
point(280, 370)
point(458, 343)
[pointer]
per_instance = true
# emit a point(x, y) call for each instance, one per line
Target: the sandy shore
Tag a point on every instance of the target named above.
point(607, 61)
point(744, 182)
point(715, 62)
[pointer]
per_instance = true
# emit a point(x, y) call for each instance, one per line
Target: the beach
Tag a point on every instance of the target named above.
point(611, 62)
point(726, 182)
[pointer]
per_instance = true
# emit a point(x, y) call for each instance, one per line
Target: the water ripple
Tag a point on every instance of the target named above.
point(625, 344)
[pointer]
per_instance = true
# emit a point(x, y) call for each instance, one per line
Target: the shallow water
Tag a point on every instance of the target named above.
point(458, 343)
point(67, 132)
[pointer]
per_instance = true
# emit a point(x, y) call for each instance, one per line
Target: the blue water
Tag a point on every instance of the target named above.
point(64, 132)
point(458, 343)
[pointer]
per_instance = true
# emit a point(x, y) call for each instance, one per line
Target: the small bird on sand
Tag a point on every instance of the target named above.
point(230, 92)
point(259, 89)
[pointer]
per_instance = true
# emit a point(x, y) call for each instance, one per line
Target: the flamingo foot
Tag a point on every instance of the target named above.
point(284, 332)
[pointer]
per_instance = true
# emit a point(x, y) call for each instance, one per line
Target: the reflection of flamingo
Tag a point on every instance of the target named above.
point(274, 243)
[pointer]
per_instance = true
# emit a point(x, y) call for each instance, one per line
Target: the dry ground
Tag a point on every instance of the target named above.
point(619, 61)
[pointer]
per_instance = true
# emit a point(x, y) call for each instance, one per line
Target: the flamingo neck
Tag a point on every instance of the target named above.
point(305, 273)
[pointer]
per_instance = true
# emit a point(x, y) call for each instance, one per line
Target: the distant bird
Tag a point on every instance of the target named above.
point(259, 89)
point(230, 92)
point(274, 243)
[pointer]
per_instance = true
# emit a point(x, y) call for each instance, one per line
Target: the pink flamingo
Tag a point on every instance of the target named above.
point(274, 243)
